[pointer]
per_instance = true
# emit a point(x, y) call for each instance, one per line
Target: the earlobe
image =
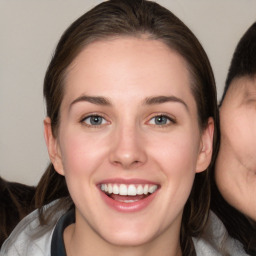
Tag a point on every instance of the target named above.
point(205, 152)
point(52, 146)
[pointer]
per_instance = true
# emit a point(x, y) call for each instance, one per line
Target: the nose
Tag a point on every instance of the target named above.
point(128, 148)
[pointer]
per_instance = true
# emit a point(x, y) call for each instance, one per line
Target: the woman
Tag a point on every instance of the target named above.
point(235, 166)
point(131, 105)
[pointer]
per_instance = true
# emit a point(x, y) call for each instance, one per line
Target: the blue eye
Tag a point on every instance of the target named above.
point(160, 120)
point(94, 120)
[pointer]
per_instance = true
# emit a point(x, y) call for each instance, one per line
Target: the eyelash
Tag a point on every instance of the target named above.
point(94, 125)
point(170, 120)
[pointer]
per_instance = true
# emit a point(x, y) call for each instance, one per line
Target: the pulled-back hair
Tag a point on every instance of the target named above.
point(16, 201)
point(239, 226)
point(133, 18)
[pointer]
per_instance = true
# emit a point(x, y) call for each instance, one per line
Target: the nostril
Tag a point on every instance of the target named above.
point(127, 157)
point(127, 164)
point(136, 163)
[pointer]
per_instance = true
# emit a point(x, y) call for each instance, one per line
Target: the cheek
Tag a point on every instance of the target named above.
point(229, 129)
point(238, 133)
point(82, 154)
point(82, 157)
point(176, 157)
point(176, 154)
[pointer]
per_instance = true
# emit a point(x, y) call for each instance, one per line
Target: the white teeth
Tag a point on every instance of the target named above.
point(129, 201)
point(123, 190)
point(152, 189)
point(115, 190)
point(110, 190)
point(130, 190)
point(145, 190)
point(140, 190)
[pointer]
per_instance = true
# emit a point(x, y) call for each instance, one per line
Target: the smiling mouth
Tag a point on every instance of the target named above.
point(128, 193)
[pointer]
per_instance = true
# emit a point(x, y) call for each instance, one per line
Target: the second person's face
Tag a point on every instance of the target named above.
point(236, 162)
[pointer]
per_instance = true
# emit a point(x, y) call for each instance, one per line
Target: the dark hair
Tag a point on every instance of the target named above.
point(135, 18)
point(237, 224)
point(16, 201)
point(244, 59)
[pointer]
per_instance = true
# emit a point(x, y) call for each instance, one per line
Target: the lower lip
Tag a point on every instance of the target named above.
point(128, 207)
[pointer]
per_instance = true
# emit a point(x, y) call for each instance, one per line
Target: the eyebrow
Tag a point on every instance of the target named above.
point(164, 99)
point(98, 100)
point(102, 101)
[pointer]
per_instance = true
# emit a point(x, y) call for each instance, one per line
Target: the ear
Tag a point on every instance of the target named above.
point(206, 144)
point(52, 146)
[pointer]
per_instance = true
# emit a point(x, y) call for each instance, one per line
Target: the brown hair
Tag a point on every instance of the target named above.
point(134, 18)
point(16, 201)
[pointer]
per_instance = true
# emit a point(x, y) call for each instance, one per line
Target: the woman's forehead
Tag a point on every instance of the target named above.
point(126, 59)
point(128, 68)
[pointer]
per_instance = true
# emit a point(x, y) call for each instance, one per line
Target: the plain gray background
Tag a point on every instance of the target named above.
point(29, 31)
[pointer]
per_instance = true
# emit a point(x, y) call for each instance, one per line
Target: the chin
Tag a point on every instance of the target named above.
point(128, 239)
point(126, 236)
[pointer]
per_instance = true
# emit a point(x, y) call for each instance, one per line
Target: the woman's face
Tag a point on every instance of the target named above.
point(236, 162)
point(129, 126)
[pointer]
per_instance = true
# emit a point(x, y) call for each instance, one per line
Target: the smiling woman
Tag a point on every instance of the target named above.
point(130, 131)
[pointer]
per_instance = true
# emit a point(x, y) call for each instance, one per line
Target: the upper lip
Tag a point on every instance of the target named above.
point(126, 181)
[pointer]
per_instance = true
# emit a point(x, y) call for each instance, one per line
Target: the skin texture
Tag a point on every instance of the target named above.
point(236, 162)
point(128, 145)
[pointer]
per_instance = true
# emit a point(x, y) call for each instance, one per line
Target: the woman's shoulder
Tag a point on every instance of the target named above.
point(31, 238)
point(215, 240)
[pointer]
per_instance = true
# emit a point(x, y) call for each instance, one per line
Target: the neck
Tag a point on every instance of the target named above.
point(93, 244)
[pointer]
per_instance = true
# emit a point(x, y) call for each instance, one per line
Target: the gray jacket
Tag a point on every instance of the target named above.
point(29, 238)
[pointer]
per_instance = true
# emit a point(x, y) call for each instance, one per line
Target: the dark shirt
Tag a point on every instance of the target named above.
point(57, 245)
